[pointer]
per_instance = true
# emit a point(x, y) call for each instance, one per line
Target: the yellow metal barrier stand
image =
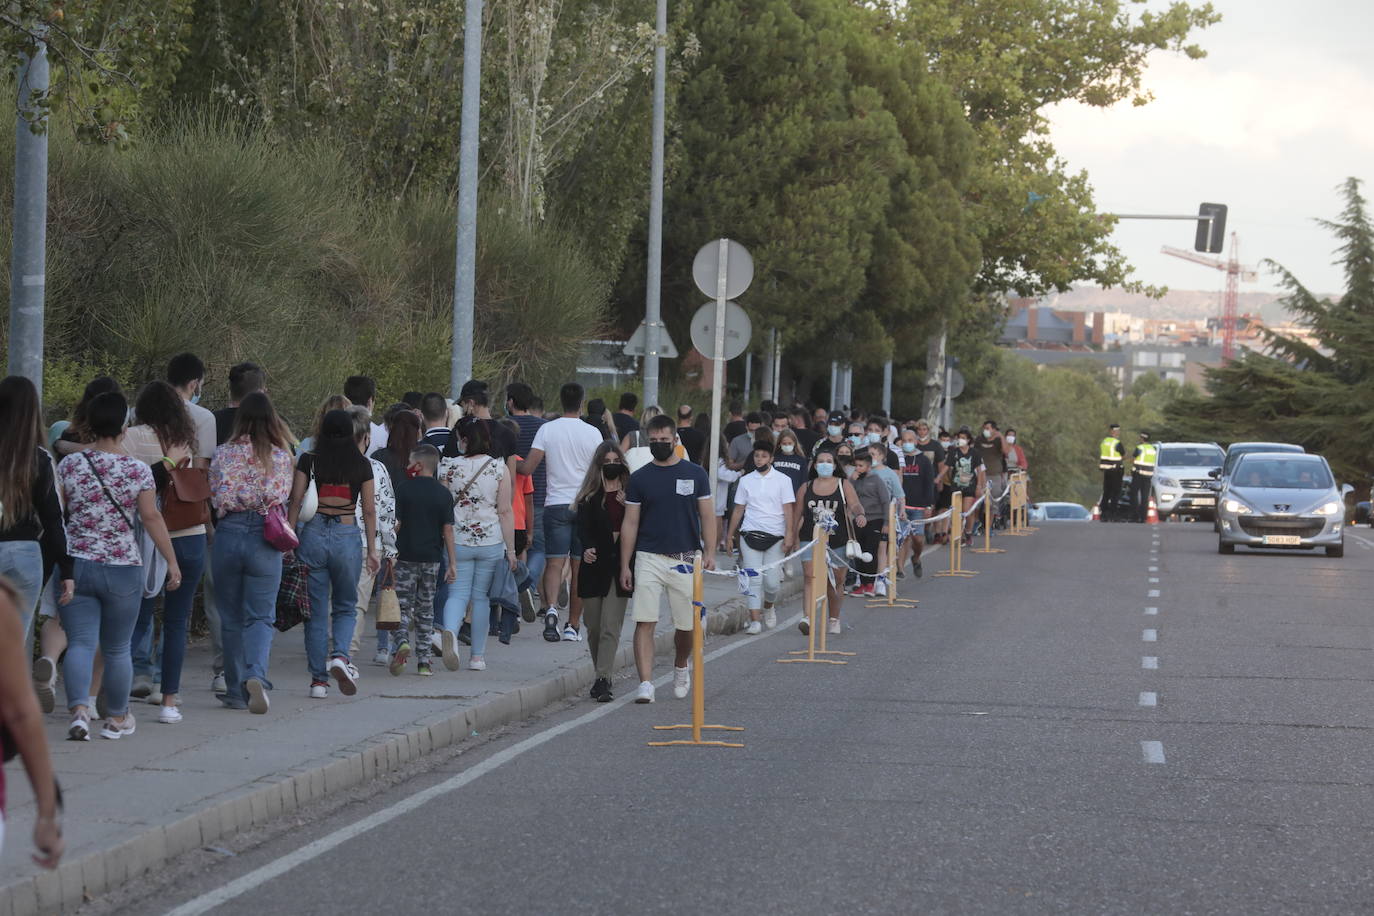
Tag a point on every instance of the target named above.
point(817, 600)
point(698, 678)
point(893, 564)
point(1016, 527)
point(987, 527)
point(956, 540)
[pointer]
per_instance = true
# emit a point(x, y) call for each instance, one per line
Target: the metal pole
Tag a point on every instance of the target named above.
point(28, 260)
point(465, 281)
point(887, 388)
point(718, 364)
point(748, 375)
point(766, 392)
point(949, 402)
point(653, 287)
point(834, 381)
point(777, 366)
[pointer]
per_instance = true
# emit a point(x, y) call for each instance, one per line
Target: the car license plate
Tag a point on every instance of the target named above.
point(1282, 540)
point(1204, 501)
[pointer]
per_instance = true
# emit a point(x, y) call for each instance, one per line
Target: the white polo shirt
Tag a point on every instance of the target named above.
point(764, 497)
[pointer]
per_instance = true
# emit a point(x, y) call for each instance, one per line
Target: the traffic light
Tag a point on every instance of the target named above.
point(1211, 228)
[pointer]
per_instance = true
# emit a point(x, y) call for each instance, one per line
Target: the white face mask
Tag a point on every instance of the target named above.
point(1011, 439)
point(944, 443)
point(875, 438)
point(987, 434)
point(788, 448)
point(963, 443)
point(834, 430)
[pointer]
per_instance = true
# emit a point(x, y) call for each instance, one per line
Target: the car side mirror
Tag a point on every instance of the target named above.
point(1346, 489)
point(1214, 473)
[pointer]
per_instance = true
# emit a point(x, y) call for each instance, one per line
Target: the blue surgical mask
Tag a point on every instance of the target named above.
point(834, 430)
point(857, 439)
point(195, 398)
point(875, 438)
point(909, 447)
point(825, 469)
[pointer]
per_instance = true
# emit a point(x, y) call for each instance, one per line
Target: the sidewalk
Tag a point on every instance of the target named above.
point(135, 803)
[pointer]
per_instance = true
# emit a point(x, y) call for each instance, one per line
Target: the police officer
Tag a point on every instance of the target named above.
point(1109, 462)
point(1142, 473)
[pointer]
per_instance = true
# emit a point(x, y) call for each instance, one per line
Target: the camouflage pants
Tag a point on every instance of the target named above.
point(415, 584)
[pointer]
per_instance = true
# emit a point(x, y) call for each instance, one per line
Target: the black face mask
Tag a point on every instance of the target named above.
point(661, 451)
point(612, 471)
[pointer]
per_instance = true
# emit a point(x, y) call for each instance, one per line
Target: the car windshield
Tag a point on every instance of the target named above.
point(1191, 457)
point(1276, 474)
point(1240, 451)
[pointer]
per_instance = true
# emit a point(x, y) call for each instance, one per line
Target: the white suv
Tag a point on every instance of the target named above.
point(1183, 484)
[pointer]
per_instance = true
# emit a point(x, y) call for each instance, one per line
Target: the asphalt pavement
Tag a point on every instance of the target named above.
point(1108, 719)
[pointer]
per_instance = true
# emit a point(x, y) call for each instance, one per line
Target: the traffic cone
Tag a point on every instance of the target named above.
point(1097, 512)
point(1152, 516)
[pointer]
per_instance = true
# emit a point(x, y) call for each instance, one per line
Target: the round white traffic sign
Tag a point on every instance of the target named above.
point(739, 268)
point(738, 329)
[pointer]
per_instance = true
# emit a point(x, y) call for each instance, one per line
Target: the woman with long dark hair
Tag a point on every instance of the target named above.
point(331, 549)
point(164, 437)
point(104, 488)
point(78, 431)
point(600, 508)
point(482, 532)
point(250, 474)
point(32, 538)
point(403, 434)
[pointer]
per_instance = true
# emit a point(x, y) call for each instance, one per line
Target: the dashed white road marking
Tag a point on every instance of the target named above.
point(1152, 611)
point(1154, 580)
point(1149, 635)
point(1154, 569)
point(1149, 698)
point(1152, 593)
point(1149, 662)
point(1153, 751)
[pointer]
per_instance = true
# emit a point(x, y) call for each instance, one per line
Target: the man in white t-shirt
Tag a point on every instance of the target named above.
point(565, 446)
point(186, 373)
point(765, 508)
point(361, 391)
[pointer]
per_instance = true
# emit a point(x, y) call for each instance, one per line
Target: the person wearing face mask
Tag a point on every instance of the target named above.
point(876, 433)
point(186, 373)
point(858, 437)
point(827, 493)
point(763, 515)
point(790, 458)
point(918, 494)
point(1016, 455)
point(873, 496)
point(600, 508)
point(992, 450)
point(834, 434)
point(739, 456)
point(963, 470)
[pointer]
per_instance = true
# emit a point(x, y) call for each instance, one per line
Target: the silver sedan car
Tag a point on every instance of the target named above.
point(1282, 500)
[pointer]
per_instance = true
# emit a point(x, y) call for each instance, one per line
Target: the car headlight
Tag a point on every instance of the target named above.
point(1330, 508)
point(1166, 481)
point(1239, 508)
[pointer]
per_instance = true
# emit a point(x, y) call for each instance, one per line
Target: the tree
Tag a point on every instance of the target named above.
point(1321, 396)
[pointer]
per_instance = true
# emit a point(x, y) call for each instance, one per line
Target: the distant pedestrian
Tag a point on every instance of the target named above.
point(764, 516)
point(424, 509)
point(827, 496)
point(600, 508)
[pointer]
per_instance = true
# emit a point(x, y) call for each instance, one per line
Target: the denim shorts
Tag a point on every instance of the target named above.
point(560, 532)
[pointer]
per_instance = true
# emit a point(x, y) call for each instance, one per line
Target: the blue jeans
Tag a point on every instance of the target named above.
point(475, 570)
point(334, 553)
point(247, 574)
point(102, 613)
point(535, 554)
point(176, 612)
point(22, 563)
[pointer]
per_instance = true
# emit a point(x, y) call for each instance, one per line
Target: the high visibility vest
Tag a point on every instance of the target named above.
point(1110, 456)
point(1146, 460)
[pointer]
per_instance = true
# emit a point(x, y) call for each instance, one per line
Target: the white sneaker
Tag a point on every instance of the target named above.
point(169, 715)
point(770, 618)
point(477, 663)
point(319, 691)
point(754, 628)
point(682, 682)
point(344, 674)
point(880, 588)
point(217, 684)
point(155, 698)
point(258, 704)
point(382, 657)
point(448, 650)
point(645, 694)
point(436, 642)
point(80, 729)
point(571, 634)
point(114, 731)
point(44, 679)
point(834, 626)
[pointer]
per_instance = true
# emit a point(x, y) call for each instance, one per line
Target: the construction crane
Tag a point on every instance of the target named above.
point(1234, 274)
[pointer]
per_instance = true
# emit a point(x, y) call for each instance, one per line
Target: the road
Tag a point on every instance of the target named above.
point(1093, 724)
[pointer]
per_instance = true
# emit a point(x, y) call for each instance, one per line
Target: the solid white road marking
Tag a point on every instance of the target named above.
point(1149, 635)
point(256, 878)
point(1153, 751)
point(1152, 611)
point(1149, 698)
point(1149, 662)
point(1152, 593)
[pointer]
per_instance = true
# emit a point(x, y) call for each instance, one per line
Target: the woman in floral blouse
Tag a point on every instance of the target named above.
point(105, 491)
point(482, 532)
point(250, 474)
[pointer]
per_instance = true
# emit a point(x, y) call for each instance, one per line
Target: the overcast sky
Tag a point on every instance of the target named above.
point(1279, 112)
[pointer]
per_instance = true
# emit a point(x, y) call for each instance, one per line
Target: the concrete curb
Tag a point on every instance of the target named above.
point(77, 881)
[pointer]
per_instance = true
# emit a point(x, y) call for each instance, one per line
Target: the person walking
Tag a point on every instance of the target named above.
point(519, 400)
point(668, 522)
point(384, 543)
point(564, 446)
point(963, 473)
point(403, 434)
point(874, 497)
point(918, 494)
point(32, 538)
point(106, 492)
point(331, 549)
point(790, 457)
point(765, 518)
point(249, 476)
point(424, 509)
point(482, 533)
point(600, 508)
point(1109, 462)
point(826, 495)
point(164, 438)
point(1143, 461)
point(21, 733)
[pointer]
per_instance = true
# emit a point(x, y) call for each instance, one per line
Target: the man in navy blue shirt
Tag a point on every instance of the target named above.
point(669, 515)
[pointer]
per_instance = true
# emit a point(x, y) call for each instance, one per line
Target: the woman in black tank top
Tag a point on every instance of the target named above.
point(827, 494)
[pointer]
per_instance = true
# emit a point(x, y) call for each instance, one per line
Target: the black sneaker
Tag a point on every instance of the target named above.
point(916, 568)
point(528, 609)
point(601, 690)
point(551, 632)
point(465, 633)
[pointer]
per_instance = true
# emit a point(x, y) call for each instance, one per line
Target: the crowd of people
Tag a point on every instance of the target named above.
point(452, 522)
